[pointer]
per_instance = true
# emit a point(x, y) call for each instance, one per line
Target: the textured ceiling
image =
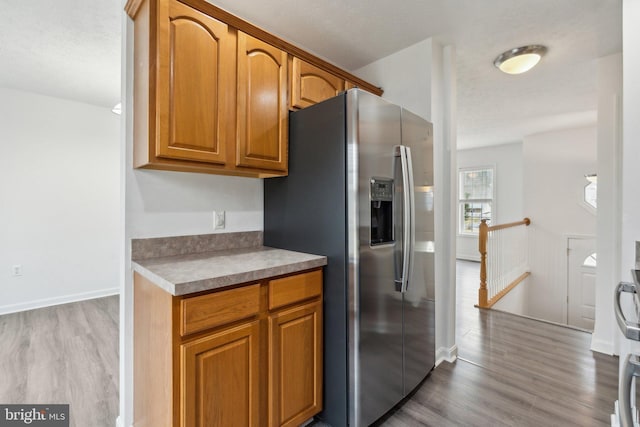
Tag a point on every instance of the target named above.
point(493, 108)
point(63, 48)
point(71, 49)
point(561, 91)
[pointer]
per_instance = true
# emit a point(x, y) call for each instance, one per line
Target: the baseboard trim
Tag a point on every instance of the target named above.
point(444, 354)
point(65, 299)
point(463, 257)
point(550, 322)
point(602, 346)
point(120, 423)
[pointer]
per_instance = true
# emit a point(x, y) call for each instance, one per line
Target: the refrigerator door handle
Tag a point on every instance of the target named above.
point(409, 193)
point(630, 330)
point(407, 198)
point(631, 369)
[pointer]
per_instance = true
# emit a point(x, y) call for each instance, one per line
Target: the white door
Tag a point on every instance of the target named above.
point(581, 280)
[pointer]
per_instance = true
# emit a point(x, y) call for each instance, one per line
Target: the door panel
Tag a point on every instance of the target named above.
point(378, 386)
point(310, 84)
point(196, 81)
point(419, 306)
point(220, 379)
point(581, 282)
point(295, 374)
point(262, 105)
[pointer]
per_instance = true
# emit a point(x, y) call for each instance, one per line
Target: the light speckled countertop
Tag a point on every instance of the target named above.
point(185, 274)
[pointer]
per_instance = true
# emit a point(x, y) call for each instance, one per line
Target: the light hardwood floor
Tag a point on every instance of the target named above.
point(63, 354)
point(512, 371)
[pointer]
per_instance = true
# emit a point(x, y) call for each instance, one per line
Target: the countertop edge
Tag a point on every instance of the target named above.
point(154, 278)
point(221, 282)
point(183, 289)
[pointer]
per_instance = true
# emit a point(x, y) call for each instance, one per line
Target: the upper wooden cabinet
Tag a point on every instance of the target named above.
point(195, 81)
point(262, 105)
point(211, 91)
point(310, 84)
point(199, 105)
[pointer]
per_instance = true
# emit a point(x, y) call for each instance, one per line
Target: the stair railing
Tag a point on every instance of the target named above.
point(504, 260)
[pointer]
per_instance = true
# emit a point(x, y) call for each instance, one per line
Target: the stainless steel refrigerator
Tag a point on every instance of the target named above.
point(360, 191)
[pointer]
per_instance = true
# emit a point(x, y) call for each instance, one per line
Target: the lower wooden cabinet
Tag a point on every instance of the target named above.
point(246, 356)
point(219, 379)
point(296, 364)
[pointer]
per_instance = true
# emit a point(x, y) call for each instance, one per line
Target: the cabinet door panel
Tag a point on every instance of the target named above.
point(195, 83)
point(262, 105)
point(311, 84)
point(220, 378)
point(295, 374)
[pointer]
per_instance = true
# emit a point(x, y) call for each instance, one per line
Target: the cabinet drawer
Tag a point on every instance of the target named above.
point(216, 309)
point(294, 288)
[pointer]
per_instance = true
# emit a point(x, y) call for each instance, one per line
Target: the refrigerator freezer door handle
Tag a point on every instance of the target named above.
point(631, 369)
point(630, 330)
point(406, 216)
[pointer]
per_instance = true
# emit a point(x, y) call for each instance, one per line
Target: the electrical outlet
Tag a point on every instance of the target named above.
point(16, 270)
point(218, 220)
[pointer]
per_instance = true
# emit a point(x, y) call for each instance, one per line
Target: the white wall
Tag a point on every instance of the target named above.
point(59, 183)
point(631, 136)
point(554, 167)
point(507, 163)
point(405, 77)
point(630, 229)
point(160, 203)
point(422, 79)
point(516, 300)
point(609, 193)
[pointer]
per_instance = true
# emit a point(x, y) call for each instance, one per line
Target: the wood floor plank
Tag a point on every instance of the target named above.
point(513, 371)
point(63, 354)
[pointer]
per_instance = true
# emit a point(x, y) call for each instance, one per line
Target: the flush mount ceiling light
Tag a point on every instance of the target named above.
point(519, 59)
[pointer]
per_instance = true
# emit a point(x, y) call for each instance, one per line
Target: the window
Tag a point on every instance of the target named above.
point(475, 199)
point(591, 261)
point(591, 194)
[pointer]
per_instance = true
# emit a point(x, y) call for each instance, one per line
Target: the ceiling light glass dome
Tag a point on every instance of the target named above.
point(520, 59)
